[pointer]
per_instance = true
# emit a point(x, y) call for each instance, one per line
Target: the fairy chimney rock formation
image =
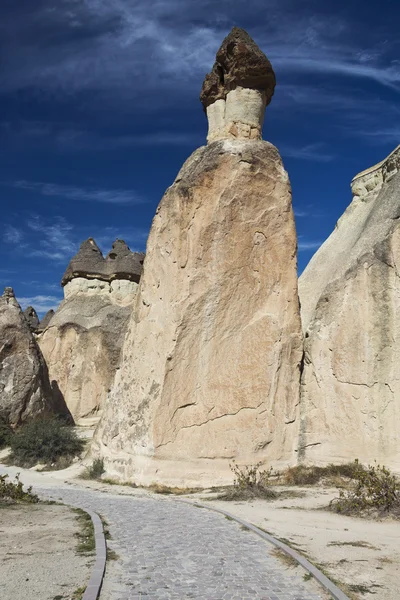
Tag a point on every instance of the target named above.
point(90, 273)
point(82, 340)
point(25, 390)
point(210, 367)
point(350, 304)
point(237, 90)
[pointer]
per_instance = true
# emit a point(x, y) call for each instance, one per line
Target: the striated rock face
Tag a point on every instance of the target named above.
point(239, 87)
point(82, 340)
point(350, 299)
point(31, 318)
point(25, 390)
point(210, 365)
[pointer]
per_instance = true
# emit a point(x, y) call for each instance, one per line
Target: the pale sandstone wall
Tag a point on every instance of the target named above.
point(211, 361)
point(82, 344)
point(350, 299)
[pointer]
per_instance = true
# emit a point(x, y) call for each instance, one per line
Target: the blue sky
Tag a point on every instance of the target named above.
point(99, 108)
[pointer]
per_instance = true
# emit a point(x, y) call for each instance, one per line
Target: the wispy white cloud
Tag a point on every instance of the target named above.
point(57, 240)
point(40, 303)
point(80, 194)
point(54, 240)
point(12, 234)
point(314, 152)
point(156, 50)
point(389, 135)
point(304, 245)
point(65, 137)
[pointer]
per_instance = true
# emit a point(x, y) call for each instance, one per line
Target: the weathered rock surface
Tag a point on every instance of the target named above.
point(211, 362)
point(83, 339)
point(25, 390)
point(239, 87)
point(350, 302)
point(31, 318)
point(46, 320)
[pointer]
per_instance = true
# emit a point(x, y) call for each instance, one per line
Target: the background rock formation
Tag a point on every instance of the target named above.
point(45, 321)
point(25, 390)
point(31, 318)
point(83, 339)
point(210, 364)
point(350, 302)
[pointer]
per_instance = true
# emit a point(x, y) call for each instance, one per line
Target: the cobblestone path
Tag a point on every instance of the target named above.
point(170, 550)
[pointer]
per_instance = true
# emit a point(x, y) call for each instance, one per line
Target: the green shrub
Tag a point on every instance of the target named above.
point(5, 433)
point(249, 482)
point(95, 470)
point(48, 441)
point(12, 492)
point(302, 475)
point(375, 488)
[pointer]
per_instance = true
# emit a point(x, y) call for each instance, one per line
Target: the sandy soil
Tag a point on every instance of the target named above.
point(363, 554)
point(38, 557)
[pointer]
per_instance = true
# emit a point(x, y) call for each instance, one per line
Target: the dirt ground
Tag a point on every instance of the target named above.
point(38, 558)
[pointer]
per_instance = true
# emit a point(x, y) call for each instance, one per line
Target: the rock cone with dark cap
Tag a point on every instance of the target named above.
point(25, 390)
point(239, 87)
point(31, 318)
point(210, 366)
point(90, 263)
point(83, 339)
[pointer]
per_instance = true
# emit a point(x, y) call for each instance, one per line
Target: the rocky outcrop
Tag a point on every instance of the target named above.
point(44, 323)
point(31, 318)
point(82, 340)
point(211, 362)
point(25, 390)
point(239, 87)
point(350, 299)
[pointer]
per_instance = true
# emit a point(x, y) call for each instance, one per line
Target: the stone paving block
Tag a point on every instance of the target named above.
point(173, 551)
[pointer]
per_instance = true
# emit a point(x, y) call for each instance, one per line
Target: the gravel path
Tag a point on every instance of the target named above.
point(169, 550)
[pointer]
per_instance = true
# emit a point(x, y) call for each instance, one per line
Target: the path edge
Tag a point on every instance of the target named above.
point(326, 583)
point(93, 588)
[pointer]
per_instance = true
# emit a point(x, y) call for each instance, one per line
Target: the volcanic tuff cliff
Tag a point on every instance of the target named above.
point(82, 340)
point(350, 303)
point(25, 390)
point(211, 362)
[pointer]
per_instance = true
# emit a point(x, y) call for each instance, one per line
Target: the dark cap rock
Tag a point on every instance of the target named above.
point(88, 262)
point(239, 62)
point(120, 263)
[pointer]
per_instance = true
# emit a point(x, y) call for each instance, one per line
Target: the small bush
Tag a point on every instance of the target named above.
point(46, 441)
point(249, 482)
point(375, 489)
point(5, 433)
point(302, 475)
point(12, 492)
point(95, 470)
